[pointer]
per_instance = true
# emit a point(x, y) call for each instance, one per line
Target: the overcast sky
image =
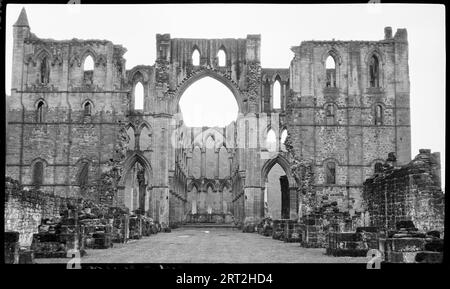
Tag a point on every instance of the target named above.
point(280, 26)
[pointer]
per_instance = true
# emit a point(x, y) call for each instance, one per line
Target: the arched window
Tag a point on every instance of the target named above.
point(87, 108)
point(40, 111)
point(88, 70)
point(330, 173)
point(378, 167)
point(139, 96)
point(45, 71)
point(271, 141)
point(276, 100)
point(374, 72)
point(378, 115)
point(222, 57)
point(330, 67)
point(330, 114)
point(283, 139)
point(83, 174)
point(196, 57)
point(38, 173)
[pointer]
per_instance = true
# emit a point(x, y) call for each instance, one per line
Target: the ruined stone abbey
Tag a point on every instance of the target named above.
point(80, 132)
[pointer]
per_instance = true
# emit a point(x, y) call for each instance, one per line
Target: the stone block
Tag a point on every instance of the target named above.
point(405, 244)
point(429, 257)
point(400, 257)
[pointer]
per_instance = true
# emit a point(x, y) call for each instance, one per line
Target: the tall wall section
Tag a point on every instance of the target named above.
point(65, 135)
point(349, 136)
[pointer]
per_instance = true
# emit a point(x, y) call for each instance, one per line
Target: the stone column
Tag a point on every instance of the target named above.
point(218, 163)
point(293, 206)
point(230, 162)
point(203, 162)
point(136, 141)
point(221, 200)
point(189, 166)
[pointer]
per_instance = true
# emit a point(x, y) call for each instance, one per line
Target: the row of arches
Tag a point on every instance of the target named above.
point(44, 69)
point(330, 171)
point(374, 69)
point(209, 201)
point(81, 179)
point(41, 109)
point(274, 91)
point(221, 57)
point(210, 162)
point(330, 114)
point(272, 143)
point(139, 139)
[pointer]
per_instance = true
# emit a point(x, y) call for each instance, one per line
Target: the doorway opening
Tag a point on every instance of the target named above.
point(276, 194)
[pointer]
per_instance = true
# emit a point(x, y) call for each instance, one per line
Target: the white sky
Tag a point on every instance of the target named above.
point(280, 26)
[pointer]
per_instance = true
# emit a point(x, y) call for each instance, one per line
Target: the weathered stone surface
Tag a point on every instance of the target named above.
point(149, 161)
point(408, 197)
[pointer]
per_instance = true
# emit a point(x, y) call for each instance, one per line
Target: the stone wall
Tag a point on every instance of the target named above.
point(25, 209)
point(410, 192)
point(67, 137)
point(350, 137)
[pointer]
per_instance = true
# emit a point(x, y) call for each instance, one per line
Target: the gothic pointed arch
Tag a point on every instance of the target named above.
point(204, 72)
point(224, 184)
point(277, 92)
point(88, 51)
point(210, 184)
point(271, 140)
point(192, 184)
point(333, 52)
point(41, 110)
point(75, 60)
point(145, 137)
point(43, 52)
point(37, 169)
point(131, 160)
point(138, 73)
point(44, 60)
point(378, 53)
point(284, 163)
point(142, 125)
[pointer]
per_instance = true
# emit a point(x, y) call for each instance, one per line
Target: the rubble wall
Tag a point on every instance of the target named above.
point(24, 210)
point(411, 192)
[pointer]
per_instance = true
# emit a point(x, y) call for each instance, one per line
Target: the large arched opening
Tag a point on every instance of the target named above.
point(208, 105)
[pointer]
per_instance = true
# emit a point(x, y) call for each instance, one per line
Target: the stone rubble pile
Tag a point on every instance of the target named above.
point(353, 243)
point(409, 245)
point(265, 227)
point(281, 229)
point(81, 226)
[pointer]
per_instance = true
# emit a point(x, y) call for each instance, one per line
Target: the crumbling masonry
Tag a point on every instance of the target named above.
point(74, 132)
